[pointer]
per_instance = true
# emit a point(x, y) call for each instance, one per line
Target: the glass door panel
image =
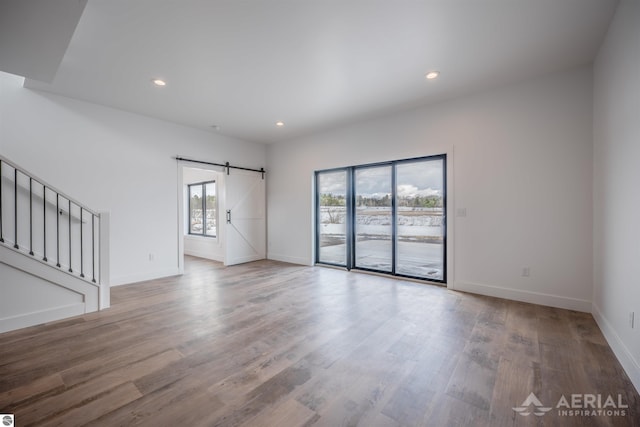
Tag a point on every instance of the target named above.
point(373, 218)
point(420, 219)
point(332, 217)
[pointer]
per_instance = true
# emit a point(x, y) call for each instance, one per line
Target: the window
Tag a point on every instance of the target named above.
point(203, 209)
point(387, 217)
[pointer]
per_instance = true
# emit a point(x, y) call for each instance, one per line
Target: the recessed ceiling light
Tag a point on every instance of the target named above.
point(279, 124)
point(432, 75)
point(159, 82)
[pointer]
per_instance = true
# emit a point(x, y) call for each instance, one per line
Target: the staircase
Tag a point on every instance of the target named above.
point(53, 252)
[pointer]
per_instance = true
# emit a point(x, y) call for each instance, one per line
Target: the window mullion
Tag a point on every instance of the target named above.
point(394, 219)
point(204, 209)
point(189, 209)
point(350, 219)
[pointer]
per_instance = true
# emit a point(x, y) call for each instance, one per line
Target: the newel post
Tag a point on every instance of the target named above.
point(104, 261)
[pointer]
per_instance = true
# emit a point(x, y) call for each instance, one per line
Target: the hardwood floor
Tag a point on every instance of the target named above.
point(274, 344)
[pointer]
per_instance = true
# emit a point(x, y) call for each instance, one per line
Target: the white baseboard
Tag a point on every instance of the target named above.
point(289, 259)
point(525, 296)
point(626, 359)
point(39, 317)
point(143, 277)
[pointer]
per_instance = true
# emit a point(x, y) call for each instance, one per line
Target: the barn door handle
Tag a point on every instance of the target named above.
point(228, 217)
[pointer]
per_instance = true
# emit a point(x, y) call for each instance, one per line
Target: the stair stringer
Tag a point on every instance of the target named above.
point(59, 294)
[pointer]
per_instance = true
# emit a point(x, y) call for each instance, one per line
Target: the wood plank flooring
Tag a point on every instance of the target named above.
point(274, 344)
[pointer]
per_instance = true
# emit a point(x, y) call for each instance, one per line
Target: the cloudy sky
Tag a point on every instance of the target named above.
point(422, 178)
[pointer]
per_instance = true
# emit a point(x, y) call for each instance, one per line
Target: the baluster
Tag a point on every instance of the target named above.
point(93, 246)
point(58, 212)
point(1, 238)
point(15, 207)
point(30, 216)
point(44, 222)
point(58, 215)
point(81, 251)
point(70, 269)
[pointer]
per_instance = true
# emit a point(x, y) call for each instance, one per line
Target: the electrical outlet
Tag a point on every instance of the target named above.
point(526, 272)
point(461, 212)
point(631, 319)
point(151, 257)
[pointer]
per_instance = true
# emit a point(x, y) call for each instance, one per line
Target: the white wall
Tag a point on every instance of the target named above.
point(114, 161)
point(616, 180)
point(522, 167)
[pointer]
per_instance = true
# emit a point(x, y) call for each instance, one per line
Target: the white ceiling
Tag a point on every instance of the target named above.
point(245, 64)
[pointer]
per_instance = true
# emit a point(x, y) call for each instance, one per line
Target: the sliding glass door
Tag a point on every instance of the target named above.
point(420, 219)
point(373, 218)
point(387, 217)
point(331, 214)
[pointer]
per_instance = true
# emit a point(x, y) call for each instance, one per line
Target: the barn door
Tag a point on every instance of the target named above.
point(244, 217)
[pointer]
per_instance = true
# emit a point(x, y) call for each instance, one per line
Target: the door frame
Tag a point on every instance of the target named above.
point(182, 200)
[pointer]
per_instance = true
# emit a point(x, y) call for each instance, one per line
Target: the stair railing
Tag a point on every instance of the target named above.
point(29, 228)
